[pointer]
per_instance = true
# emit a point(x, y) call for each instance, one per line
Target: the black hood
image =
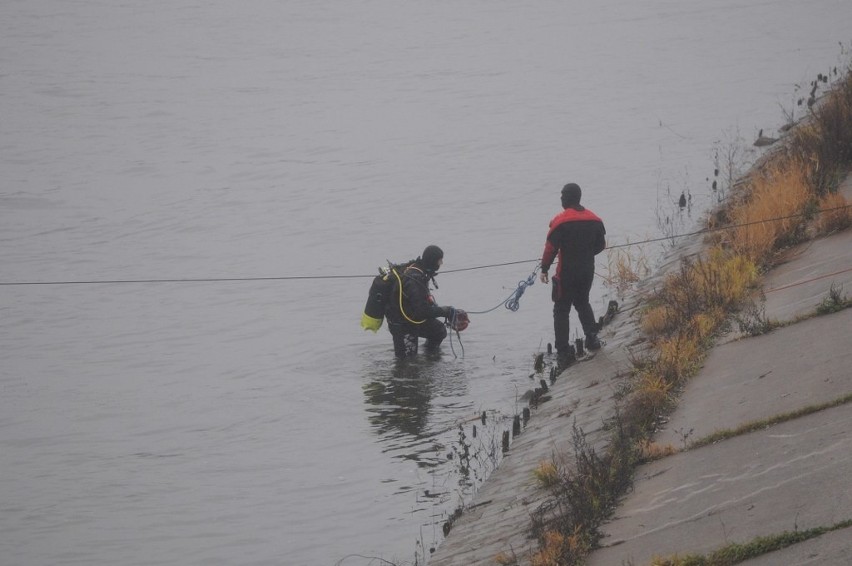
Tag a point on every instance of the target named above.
point(431, 256)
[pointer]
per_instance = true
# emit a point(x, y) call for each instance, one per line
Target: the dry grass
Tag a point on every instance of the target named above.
point(691, 306)
point(679, 357)
point(624, 269)
point(779, 191)
point(557, 545)
point(546, 474)
point(836, 215)
point(696, 299)
point(643, 407)
point(650, 451)
point(656, 320)
point(506, 559)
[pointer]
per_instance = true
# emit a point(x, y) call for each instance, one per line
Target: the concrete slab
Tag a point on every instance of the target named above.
point(794, 475)
point(831, 549)
point(756, 378)
point(798, 286)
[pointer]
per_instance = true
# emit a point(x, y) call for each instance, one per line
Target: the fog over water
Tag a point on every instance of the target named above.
point(255, 422)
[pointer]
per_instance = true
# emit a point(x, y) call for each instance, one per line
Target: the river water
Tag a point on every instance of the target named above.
point(254, 422)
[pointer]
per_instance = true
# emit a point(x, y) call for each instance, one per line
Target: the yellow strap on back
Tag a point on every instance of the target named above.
point(400, 301)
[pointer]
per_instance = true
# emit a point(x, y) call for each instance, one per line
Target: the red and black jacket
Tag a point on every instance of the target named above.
point(576, 236)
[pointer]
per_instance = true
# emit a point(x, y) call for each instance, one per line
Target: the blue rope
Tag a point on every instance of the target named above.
point(513, 301)
point(452, 324)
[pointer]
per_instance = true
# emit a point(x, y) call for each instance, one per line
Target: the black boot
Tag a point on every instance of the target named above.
point(411, 342)
point(565, 358)
point(592, 342)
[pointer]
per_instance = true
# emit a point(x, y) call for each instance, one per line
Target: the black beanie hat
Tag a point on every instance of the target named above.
point(430, 257)
point(571, 194)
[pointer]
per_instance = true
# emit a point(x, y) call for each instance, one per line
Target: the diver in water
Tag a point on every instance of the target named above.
point(576, 236)
point(411, 311)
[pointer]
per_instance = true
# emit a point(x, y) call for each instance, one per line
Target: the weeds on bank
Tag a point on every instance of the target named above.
point(752, 319)
point(625, 269)
point(546, 474)
point(775, 206)
point(835, 301)
point(736, 553)
point(583, 492)
point(694, 300)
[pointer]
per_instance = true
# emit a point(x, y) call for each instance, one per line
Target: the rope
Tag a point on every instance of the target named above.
point(797, 283)
point(452, 324)
point(361, 276)
point(513, 301)
point(728, 227)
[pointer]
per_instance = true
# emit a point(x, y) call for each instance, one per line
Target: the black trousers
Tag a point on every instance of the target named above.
point(405, 336)
point(574, 292)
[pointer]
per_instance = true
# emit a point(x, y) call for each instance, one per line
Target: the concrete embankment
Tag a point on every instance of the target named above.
point(498, 519)
point(792, 476)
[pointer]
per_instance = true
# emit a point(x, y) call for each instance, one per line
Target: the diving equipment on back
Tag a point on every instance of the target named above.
point(377, 300)
point(380, 294)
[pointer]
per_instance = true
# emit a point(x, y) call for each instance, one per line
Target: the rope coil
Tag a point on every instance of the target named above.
point(513, 301)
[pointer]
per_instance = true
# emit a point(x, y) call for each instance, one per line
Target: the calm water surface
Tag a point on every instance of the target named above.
point(255, 422)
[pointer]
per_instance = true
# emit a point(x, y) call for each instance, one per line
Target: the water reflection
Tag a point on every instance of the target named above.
point(411, 405)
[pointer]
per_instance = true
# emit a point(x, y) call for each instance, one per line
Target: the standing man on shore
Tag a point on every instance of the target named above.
point(576, 236)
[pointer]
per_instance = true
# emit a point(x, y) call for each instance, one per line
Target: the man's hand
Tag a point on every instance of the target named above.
point(544, 278)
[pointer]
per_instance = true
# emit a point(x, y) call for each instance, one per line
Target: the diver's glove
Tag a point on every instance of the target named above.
point(448, 312)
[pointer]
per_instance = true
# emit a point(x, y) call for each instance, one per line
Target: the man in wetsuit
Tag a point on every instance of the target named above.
point(576, 236)
point(414, 314)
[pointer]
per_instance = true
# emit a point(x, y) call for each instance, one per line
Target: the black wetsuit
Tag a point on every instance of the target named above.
point(417, 315)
